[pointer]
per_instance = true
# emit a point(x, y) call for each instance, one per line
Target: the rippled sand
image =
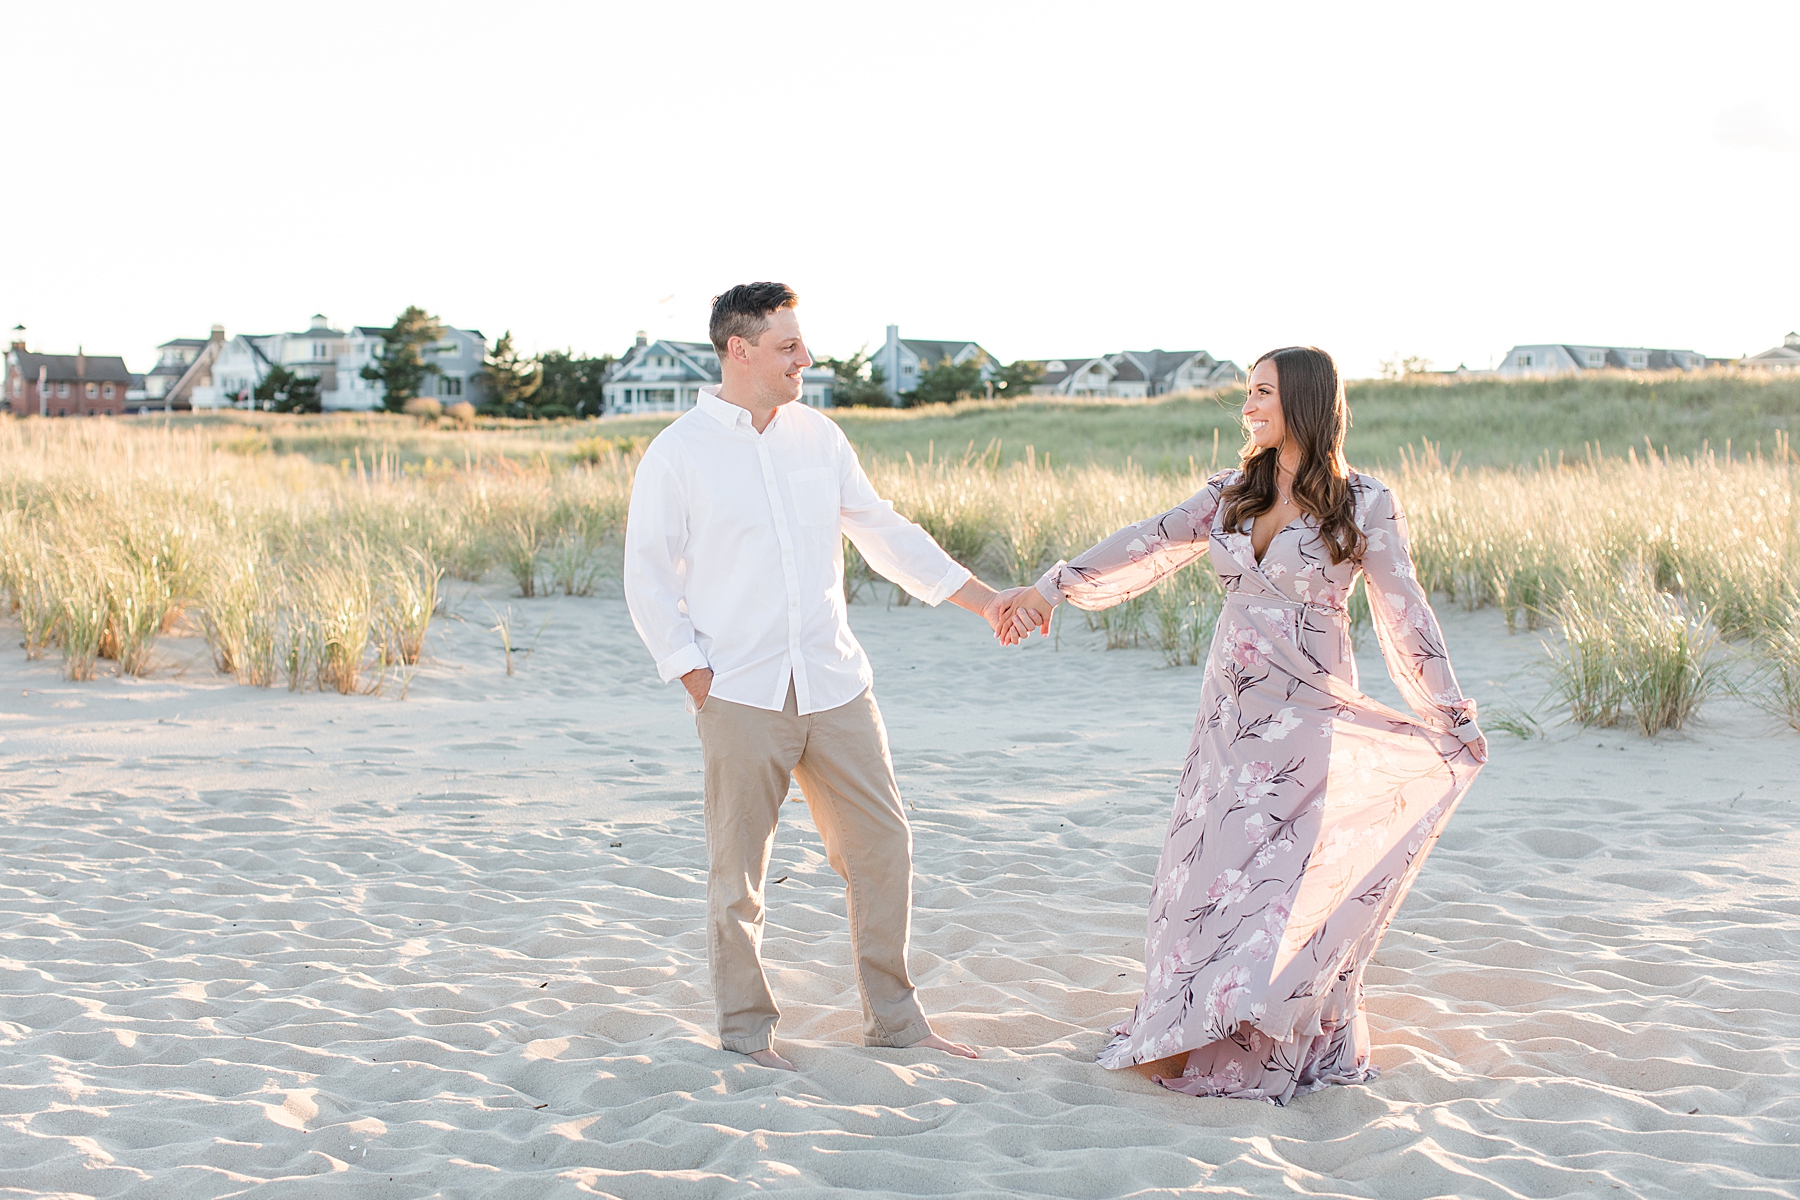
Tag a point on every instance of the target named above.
point(252, 942)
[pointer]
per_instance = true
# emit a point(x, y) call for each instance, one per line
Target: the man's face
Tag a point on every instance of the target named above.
point(774, 361)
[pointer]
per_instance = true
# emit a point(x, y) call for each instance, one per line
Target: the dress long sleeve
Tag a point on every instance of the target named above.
point(1411, 640)
point(1132, 561)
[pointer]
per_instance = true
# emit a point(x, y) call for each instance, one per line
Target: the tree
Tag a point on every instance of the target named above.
point(1398, 367)
point(509, 380)
point(571, 385)
point(1015, 378)
point(402, 369)
point(948, 381)
point(857, 381)
point(283, 391)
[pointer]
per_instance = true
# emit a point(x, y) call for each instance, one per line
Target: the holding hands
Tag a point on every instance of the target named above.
point(1015, 612)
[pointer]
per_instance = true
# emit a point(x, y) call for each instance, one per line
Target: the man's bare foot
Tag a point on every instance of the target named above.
point(934, 1042)
point(770, 1059)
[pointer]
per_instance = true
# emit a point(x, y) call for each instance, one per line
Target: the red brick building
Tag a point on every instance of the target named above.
point(64, 385)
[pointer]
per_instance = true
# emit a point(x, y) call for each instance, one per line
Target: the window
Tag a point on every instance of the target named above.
point(318, 350)
point(62, 393)
point(453, 385)
point(1596, 358)
point(906, 369)
point(1524, 360)
point(1639, 358)
point(107, 391)
point(93, 391)
point(18, 386)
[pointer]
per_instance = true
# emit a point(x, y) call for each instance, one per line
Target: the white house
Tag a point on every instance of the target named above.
point(1783, 358)
point(904, 360)
point(666, 376)
point(1552, 359)
point(335, 357)
point(1134, 374)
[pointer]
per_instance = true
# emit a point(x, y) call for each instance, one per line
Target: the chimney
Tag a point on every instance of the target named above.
point(80, 363)
point(642, 340)
point(18, 338)
point(218, 333)
point(890, 363)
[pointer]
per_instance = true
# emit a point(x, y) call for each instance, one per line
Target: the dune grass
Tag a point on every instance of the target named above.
point(309, 552)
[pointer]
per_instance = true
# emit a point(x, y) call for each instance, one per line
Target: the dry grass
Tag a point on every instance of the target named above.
point(326, 577)
point(326, 574)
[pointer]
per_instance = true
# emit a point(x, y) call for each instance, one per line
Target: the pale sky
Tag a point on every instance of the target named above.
point(1048, 179)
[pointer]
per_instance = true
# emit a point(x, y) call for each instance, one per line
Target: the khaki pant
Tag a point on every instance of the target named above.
point(840, 758)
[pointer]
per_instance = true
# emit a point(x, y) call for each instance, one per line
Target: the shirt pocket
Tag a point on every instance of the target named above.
point(815, 493)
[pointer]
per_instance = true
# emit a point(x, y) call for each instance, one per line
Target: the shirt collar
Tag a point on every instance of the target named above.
point(730, 415)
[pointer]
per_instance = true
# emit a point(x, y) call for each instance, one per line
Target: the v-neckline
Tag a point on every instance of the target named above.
point(1251, 535)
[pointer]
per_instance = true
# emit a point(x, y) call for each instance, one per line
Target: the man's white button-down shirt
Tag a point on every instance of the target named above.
point(734, 556)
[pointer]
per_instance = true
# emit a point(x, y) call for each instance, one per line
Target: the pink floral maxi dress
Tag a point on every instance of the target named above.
point(1305, 808)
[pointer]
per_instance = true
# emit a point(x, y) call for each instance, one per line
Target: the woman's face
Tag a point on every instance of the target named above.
point(1262, 406)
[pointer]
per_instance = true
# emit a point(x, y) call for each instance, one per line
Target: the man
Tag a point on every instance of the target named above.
point(734, 573)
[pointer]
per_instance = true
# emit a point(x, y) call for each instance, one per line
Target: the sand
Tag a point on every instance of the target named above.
point(254, 942)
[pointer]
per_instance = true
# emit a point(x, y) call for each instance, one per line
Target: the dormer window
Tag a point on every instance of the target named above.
point(1596, 358)
point(1639, 358)
point(1524, 360)
point(1056, 364)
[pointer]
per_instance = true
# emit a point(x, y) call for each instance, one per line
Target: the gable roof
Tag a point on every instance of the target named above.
point(695, 361)
point(932, 352)
point(1160, 364)
point(73, 368)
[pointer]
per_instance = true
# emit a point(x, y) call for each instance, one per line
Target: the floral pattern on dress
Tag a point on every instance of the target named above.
point(1305, 808)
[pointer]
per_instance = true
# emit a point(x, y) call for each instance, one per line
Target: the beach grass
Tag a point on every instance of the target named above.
point(312, 551)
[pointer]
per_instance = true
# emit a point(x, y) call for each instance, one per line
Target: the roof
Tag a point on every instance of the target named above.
point(183, 342)
point(1158, 364)
point(1071, 364)
point(94, 368)
point(932, 352)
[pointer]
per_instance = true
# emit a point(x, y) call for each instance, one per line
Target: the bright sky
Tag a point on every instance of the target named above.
point(1049, 179)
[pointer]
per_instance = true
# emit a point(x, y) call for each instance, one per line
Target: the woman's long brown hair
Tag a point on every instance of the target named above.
point(1316, 415)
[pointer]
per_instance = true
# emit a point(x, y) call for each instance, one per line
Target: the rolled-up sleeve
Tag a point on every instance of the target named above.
point(656, 569)
point(898, 549)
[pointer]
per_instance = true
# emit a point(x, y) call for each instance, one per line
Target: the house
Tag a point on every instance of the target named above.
point(1783, 358)
point(226, 377)
point(666, 376)
point(63, 385)
point(1568, 360)
point(904, 360)
point(1135, 374)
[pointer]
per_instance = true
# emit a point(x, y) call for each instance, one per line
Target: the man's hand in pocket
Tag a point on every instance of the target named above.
point(698, 682)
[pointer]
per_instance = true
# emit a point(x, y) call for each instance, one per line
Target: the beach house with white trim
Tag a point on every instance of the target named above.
point(666, 376)
point(335, 357)
point(1782, 358)
point(1564, 359)
point(904, 360)
point(1135, 374)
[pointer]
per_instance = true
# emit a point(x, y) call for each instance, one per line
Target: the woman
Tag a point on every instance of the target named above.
point(1305, 808)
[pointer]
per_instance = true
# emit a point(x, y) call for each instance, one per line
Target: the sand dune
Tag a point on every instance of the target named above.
point(253, 942)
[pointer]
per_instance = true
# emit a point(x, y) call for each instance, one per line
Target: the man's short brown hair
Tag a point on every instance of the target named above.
point(743, 311)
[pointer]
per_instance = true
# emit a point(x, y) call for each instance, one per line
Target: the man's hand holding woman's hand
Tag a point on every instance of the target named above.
point(1021, 610)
